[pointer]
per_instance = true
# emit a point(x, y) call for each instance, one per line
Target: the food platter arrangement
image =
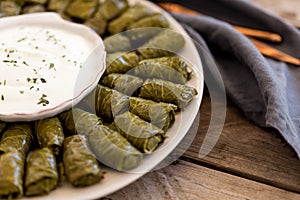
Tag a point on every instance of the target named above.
point(140, 110)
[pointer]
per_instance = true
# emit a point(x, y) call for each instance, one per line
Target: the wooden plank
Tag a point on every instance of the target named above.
point(289, 10)
point(248, 151)
point(190, 181)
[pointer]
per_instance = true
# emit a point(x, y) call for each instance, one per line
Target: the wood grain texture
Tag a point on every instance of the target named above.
point(287, 9)
point(248, 151)
point(198, 182)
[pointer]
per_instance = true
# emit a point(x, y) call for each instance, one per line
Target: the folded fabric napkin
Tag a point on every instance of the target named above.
point(267, 91)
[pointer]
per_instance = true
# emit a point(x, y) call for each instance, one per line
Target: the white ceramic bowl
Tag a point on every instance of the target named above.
point(48, 65)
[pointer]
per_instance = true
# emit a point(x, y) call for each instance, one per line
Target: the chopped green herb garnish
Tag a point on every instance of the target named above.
point(21, 91)
point(43, 80)
point(43, 100)
point(2, 97)
point(28, 80)
point(9, 61)
point(25, 63)
point(51, 65)
point(22, 39)
point(4, 82)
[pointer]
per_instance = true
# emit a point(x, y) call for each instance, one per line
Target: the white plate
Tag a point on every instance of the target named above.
point(114, 180)
point(48, 51)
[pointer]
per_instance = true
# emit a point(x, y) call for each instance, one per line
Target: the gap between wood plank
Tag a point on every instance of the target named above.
point(235, 173)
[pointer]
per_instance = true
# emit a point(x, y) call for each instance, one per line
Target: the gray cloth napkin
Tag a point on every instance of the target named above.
point(267, 91)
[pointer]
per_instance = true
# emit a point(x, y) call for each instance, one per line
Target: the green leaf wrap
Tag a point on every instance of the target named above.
point(173, 62)
point(155, 20)
point(164, 91)
point(117, 43)
point(113, 8)
point(81, 167)
point(162, 44)
point(131, 15)
point(141, 134)
point(50, 134)
point(11, 174)
point(160, 114)
point(110, 103)
point(121, 62)
point(41, 172)
point(9, 8)
point(113, 150)
point(124, 83)
point(81, 9)
point(76, 121)
point(19, 136)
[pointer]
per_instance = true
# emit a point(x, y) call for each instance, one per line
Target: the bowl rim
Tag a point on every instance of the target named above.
point(58, 22)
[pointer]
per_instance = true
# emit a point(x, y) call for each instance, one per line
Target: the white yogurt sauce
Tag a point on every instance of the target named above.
point(38, 66)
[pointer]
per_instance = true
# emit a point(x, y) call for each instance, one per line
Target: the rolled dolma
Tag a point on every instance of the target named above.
point(98, 24)
point(41, 172)
point(113, 8)
point(147, 69)
point(33, 8)
point(67, 122)
point(81, 9)
point(121, 62)
point(160, 114)
point(156, 20)
point(11, 174)
point(117, 43)
point(141, 134)
point(113, 150)
point(124, 83)
point(110, 103)
point(169, 61)
point(50, 134)
point(9, 8)
point(58, 5)
point(81, 167)
point(131, 15)
point(164, 91)
point(85, 119)
point(142, 30)
point(76, 120)
point(165, 43)
point(19, 136)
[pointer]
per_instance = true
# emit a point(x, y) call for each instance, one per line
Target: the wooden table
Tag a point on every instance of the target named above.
point(248, 162)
